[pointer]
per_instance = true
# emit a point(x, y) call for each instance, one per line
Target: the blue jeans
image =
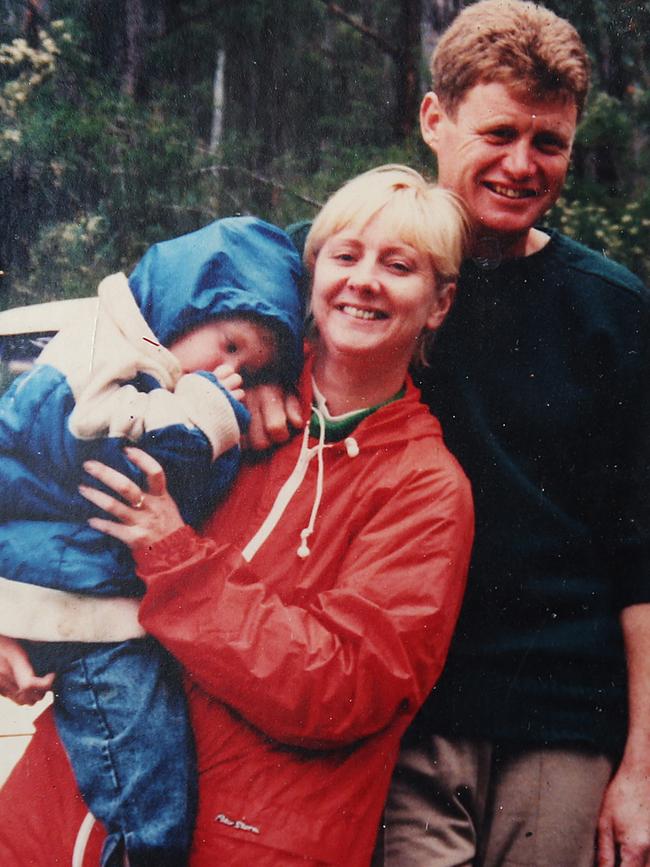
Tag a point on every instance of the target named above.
point(122, 717)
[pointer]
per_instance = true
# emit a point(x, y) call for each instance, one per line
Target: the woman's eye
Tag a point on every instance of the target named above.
point(400, 267)
point(344, 257)
point(231, 347)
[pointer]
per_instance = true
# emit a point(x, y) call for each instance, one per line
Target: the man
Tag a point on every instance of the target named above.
point(540, 380)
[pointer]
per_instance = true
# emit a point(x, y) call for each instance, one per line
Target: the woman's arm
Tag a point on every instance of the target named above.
point(344, 664)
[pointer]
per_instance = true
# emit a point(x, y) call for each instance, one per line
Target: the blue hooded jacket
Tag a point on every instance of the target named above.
point(108, 381)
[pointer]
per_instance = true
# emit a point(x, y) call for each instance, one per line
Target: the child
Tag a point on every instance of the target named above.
point(226, 294)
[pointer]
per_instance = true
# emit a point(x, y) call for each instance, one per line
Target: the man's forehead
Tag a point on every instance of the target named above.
point(491, 100)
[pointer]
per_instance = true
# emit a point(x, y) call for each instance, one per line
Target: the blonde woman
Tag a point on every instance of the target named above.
point(313, 613)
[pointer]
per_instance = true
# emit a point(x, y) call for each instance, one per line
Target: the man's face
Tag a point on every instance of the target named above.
point(507, 159)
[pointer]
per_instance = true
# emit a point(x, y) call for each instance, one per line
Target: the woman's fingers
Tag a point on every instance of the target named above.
point(155, 475)
point(122, 532)
point(114, 480)
point(109, 504)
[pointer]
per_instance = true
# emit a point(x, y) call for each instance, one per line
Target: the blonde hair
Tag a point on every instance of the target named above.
point(429, 218)
point(520, 44)
point(421, 214)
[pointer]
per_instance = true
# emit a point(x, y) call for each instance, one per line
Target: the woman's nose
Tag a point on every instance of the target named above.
point(364, 278)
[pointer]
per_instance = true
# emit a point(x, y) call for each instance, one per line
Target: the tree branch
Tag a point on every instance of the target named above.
point(380, 42)
point(256, 176)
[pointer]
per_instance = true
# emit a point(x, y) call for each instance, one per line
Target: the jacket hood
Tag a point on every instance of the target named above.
point(239, 265)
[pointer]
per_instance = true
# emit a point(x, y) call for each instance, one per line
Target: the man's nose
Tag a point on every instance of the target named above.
point(519, 161)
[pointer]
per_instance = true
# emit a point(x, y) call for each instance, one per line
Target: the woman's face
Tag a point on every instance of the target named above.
point(373, 295)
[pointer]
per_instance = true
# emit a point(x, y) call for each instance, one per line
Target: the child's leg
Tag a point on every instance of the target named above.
point(121, 714)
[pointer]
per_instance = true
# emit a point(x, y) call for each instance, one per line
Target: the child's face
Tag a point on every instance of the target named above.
point(248, 347)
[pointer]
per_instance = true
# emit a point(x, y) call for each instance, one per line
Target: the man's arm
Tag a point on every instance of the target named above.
point(274, 412)
point(624, 823)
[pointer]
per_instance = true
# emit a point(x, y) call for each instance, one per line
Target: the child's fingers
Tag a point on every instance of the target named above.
point(228, 378)
point(239, 394)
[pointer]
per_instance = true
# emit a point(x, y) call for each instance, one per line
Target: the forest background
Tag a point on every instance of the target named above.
point(125, 122)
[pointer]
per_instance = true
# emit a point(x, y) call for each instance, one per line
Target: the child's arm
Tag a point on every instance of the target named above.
point(17, 678)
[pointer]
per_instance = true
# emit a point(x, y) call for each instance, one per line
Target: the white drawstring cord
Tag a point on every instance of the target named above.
point(351, 447)
point(83, 835)
point(303, 550)
point(291, 485)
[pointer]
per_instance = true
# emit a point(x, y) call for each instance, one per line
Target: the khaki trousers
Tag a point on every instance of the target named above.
point(466, 803)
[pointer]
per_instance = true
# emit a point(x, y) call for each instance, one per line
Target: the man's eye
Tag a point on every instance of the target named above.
point(231, 347)
point(498, 136)
point(550, 145)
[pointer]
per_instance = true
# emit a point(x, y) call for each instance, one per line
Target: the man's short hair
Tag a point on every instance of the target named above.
point(528, 48)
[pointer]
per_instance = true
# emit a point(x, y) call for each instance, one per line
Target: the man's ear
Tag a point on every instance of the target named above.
point(444, 300)
point(431, 113)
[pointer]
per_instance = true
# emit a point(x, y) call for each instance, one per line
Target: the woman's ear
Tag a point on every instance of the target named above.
point(430, 116)
point(444, 299)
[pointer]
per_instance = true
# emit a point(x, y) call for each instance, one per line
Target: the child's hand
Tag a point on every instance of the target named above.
point(17, 679)
point(230, 380)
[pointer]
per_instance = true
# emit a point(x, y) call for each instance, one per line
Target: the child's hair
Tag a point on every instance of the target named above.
point(528, 48)
point(427, 217)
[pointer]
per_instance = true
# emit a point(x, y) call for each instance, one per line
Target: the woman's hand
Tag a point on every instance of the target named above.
point(147, 516)
point(17, 679)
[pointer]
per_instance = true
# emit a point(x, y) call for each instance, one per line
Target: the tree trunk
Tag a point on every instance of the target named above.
point(407, 65)
point(134, 49)
point(216, 131)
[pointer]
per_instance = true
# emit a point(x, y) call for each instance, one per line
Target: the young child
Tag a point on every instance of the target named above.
point(226, 294)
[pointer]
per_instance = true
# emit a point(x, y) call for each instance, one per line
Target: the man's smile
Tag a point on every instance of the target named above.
point(510, 192)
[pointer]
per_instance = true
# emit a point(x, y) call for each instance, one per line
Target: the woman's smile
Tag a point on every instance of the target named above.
point(364, 313)
point(372, 295)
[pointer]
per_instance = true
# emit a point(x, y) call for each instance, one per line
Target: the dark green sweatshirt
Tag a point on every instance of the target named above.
point(541, 379)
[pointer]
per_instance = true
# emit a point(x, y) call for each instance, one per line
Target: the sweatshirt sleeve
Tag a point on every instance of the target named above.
point(42, 459)
point(342, 665)
point(624, 527)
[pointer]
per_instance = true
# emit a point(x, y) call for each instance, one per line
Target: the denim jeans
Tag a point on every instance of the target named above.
point(121, 714)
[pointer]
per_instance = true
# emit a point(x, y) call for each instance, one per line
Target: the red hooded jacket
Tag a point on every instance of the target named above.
point(304, 667)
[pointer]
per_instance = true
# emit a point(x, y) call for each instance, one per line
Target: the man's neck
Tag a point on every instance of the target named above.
point(489, 250)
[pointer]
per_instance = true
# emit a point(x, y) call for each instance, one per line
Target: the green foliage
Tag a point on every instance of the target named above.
point(619, 230)
point(66, 261)
point(90, 176)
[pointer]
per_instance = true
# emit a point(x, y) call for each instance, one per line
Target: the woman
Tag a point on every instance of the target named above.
point(314, 612)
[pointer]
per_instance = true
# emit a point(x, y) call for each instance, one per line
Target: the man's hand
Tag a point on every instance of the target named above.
point(624, 824)
point(273, 415)
point(17, 679)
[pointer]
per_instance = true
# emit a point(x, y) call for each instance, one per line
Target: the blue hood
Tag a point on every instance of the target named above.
point(235, 265)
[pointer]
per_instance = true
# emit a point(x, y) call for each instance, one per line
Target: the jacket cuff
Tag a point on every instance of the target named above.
point(210, 410)
point(165, 554)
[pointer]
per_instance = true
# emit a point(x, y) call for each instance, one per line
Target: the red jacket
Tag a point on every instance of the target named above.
point(303, 672)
